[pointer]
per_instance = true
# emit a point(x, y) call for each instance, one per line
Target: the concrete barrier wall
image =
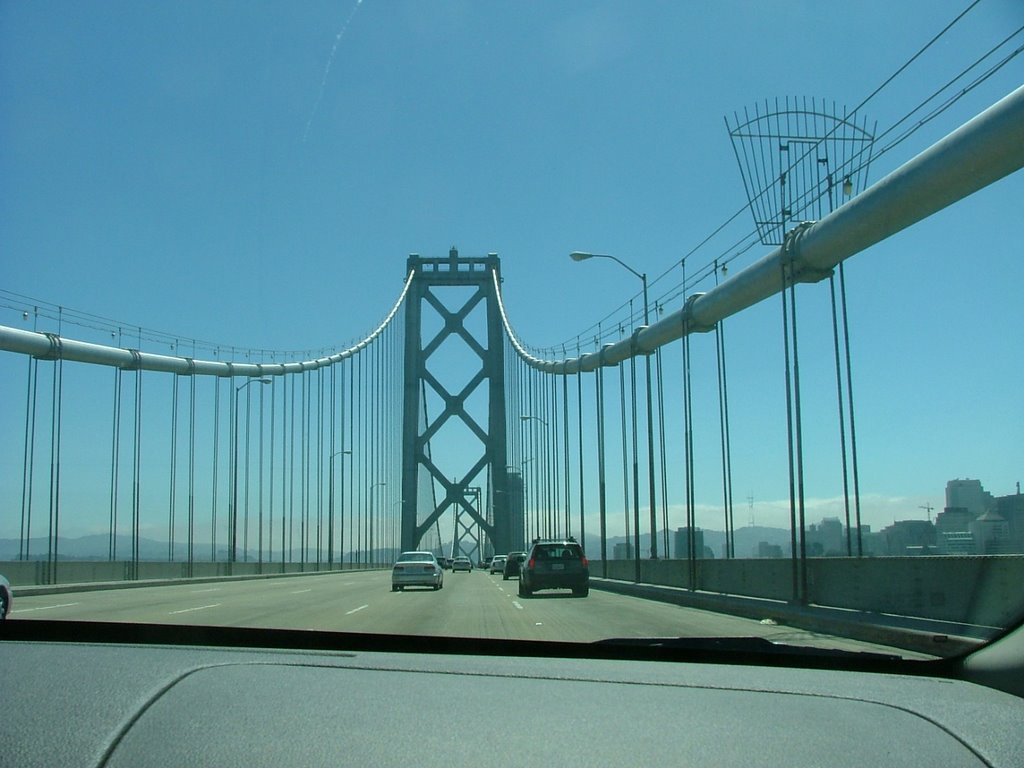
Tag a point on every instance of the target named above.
point(33, 572)
point(986, 590)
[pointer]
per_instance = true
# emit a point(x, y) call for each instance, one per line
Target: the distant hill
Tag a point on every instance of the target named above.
point(95, 547)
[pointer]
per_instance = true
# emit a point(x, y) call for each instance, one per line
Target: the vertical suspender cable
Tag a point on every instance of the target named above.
point(291, 474)
point(232, 528)
point(691, 496)
point(849, 400)
point(662, 453)
point(555, 470)
point(565, 454)
point(259, 486)
point(191, 472)
point(842, 414)
point(636, 460)
point(361, 455)
point(353, 534)
point(136, 474)
point(213, 500)
point(625, 452)
point(173, 467)
point(723, 417)
point(304, 472)
point(55, 435)
point(728, 448)
point(319, 465)
point(26, 538)
point(691, 516)
point(115, 460)
point(799, 446)
point(28, 462)
point(341, 473)
point(330, 468)
point(270, 471)
point(579, 447)
point(789, 436)
point(248, 424)
point(602, 507)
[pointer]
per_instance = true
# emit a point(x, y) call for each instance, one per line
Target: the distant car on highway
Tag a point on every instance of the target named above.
point(6, 598)
point(461, 564)
point(498, 564)
point(513, 564)
point(416, 569)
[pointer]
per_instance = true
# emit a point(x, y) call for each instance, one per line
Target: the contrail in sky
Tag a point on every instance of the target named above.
point(327, 69)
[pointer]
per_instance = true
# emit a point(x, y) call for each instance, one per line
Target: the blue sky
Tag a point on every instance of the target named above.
point(188, 167)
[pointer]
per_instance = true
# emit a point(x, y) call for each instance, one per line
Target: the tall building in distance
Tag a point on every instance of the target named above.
point(826, 539)
point(516, 521)
point(975, 522)
point(682, 544)
point(969, 495)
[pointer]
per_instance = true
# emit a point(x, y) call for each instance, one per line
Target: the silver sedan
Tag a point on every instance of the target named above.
point(416, 569)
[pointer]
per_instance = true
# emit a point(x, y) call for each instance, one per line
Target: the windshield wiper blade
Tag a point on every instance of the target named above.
point(741, 645)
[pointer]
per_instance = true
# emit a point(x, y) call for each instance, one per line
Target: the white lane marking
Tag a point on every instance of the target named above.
point(517, 605)
point(538, 624)
point(354, 610)
point(501, 589)
point(200, 608)
point(43, 608)
point(300, 591)
point(200, 591)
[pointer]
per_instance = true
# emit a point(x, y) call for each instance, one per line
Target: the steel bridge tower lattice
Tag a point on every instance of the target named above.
point(472, 277)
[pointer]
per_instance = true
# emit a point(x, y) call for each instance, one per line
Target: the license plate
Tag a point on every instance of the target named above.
point(557, 567)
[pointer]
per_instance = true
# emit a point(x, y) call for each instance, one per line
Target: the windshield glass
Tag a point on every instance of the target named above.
point(293, 292)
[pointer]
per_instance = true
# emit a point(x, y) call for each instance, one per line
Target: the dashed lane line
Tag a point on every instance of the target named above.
point(200, 608)
point(355, 610)
point(43, 608)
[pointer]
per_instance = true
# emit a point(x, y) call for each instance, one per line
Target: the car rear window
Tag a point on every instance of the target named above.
point(415, 557)
point(558, 552)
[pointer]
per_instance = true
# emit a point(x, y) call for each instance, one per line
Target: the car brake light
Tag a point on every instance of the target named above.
point(586, 563)
point(530, 564)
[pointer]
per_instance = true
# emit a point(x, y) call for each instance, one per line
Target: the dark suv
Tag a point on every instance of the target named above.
point(555, 564)
point(513, 564)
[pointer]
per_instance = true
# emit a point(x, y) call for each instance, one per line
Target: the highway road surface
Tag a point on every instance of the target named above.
point(474, 604)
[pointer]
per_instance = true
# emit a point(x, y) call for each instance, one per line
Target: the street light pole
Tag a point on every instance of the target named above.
point(234, 469)
point(372, 521)
point(537, 526)
point(330, 511)
point(581, 256)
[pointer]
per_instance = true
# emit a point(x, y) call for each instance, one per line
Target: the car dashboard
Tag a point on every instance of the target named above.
point(162, 700)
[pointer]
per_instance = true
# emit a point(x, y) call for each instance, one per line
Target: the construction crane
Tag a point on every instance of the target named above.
point(928, 508)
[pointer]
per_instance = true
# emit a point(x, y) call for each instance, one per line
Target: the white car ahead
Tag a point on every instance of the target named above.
point(416, 569)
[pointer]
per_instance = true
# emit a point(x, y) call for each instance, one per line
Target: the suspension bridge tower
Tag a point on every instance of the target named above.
point(472, 281)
